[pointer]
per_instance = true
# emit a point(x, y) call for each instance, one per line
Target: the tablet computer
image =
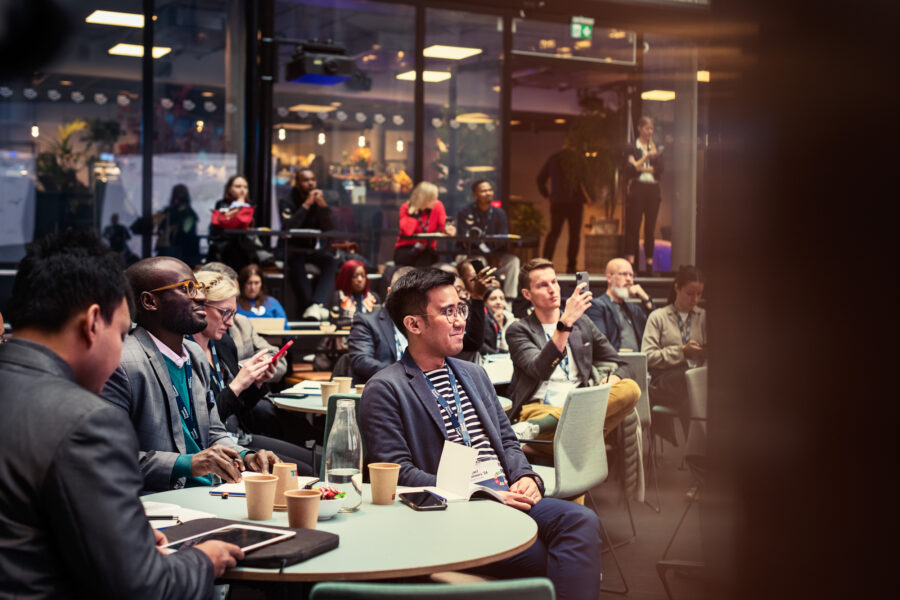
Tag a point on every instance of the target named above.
point(247, 537)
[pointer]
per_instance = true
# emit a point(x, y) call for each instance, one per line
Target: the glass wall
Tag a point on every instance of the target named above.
point(357, 135)
point(463, 74)
point(65, 129)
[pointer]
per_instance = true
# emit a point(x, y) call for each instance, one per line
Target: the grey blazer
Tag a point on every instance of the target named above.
point(71, 523)
point(534, 358)
point(249, 342)
point(141, 385)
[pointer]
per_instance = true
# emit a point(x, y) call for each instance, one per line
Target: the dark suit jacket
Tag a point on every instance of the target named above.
point(227, 402)
point(535, 358)
point(71, 523)
point(142, 386)
point(602, 312)
point(371, 344)
point(401, 421)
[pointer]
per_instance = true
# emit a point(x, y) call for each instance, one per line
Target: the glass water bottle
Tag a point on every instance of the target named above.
point(343, 456)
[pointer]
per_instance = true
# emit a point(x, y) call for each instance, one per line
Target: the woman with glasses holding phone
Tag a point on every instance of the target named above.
point(239, 390)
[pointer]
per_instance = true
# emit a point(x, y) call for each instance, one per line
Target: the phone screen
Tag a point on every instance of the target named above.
point(477, 265)
point(422, 500)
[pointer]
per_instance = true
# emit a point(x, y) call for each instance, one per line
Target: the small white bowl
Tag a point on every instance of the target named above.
point(329, 508)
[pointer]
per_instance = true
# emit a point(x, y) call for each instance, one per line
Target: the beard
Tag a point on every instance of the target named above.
point(621, 293)
point(187, 322)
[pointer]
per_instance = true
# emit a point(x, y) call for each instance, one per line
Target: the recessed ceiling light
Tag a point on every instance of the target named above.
point(658, 95)
point(109, 17)
point(703, 76)
point(450, 52)
point(207, 94)
point(474, 117)
point(293, 126)
point(514, 122)
point(496, 88)
point(559, 121)
point(427, 76)
point(582, 44)
point(65, 82)
point(137, 51)
point(312, 108)
point(616, 34)
point(480, 169)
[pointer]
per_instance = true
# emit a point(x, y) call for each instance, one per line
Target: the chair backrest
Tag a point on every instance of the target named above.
point(579, 451)
point(330, 411)
point(532, 588)
point(638, 363)
point(696, 389)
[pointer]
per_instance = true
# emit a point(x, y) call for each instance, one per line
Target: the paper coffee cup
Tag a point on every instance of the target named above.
point(302, 508)
point(344, 384)
point(260, 491)
point(287, 480)
point(359, 388)
point(329, 388)
point(384, 482)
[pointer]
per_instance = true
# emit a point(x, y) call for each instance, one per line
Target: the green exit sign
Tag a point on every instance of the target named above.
point(582, 28)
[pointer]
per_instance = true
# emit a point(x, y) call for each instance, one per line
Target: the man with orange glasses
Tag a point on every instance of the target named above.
point(163, 383)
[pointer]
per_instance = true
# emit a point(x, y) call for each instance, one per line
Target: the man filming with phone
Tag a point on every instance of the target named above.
point(554, 350)
point(409, 409)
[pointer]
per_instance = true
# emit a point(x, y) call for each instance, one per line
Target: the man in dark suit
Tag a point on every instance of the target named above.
point(163, 382)
point(71, 523)
point(406, 416)
point(374, 342)
point(555, 350)
point(621, 313)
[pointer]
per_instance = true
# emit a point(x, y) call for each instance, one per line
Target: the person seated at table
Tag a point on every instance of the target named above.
point(246, 340)
point(240, 390)
point(619, 319)
point(423, 213)
point(497, 322)
point(482, 219)
point(675, 341)
point(72, 524)
point(305, 208)
point(374, 341)
point(410, 408)
point(351, 295)
point(255, 301)
point(162, 375)
point(554, 351)
point(235, 210)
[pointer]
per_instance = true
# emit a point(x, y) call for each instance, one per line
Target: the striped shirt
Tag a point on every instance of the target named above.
point(441, 381)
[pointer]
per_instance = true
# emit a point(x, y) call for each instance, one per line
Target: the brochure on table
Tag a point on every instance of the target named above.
point(237, 489)
point(460, 476)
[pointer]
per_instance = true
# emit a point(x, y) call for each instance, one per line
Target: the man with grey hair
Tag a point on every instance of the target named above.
point(621, 313)
point(248, 342)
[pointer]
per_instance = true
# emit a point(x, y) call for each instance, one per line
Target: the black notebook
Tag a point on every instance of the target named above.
point(305, 545)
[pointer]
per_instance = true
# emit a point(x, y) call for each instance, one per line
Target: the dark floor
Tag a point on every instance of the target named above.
point(654, 530)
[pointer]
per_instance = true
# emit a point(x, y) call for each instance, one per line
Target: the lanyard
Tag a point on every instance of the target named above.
point(217, 376)
point(685, 327)
point(457, 420)
point(182, 407)
point(564, 363)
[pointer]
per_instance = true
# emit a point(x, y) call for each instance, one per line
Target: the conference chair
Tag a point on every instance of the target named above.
point(532, 588)
point(695, 458)
point(638, 363)
point(579, 455)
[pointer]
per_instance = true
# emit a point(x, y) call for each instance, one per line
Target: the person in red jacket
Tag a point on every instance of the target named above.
point(424, 213)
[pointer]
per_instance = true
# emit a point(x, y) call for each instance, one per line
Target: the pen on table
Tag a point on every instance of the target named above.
point(162, 517)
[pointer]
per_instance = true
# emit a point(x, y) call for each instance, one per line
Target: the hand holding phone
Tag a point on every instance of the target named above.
point(281, 352)
point(583, 277)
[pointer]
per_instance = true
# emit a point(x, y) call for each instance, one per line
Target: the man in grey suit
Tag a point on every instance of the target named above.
point(163, 384)
point(374, 342)
point(71, 523)
point(554, 350)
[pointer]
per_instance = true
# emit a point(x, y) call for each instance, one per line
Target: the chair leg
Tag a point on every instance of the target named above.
point(662, 565)
point(651, 466)
point(612, 549)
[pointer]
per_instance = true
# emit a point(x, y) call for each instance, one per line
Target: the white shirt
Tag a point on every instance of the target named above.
point(556, 389)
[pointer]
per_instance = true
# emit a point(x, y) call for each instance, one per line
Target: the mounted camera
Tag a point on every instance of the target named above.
point(320, 63)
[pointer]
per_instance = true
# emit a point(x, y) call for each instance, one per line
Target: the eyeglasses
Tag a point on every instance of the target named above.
point(450, 313)
point(227, 313)
point(190, 286)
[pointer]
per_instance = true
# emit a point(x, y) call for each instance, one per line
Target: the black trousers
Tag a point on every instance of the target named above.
point(560, 212)
point(643, 201)
point(306, 292)
point(408, 256)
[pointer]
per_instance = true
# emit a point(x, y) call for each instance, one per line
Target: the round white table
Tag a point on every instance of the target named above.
point(380, 542)
point(313, 404)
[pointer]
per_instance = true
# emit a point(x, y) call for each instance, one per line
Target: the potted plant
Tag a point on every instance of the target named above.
point(527, 221)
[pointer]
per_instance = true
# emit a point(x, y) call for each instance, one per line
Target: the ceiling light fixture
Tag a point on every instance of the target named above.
point(616, 34)
point(294, 126)
point(361, 142)
point(427, 76)
point(35, 132)
point(321, 139)
point(703, 76)
point(137, 51)
point(110, 17)
point(474, 117)
point(399, 145)
point(312, 108)
point(559, 121)
point(450, 52)
point(658, 95)
point(480, 169)
point(282, 134)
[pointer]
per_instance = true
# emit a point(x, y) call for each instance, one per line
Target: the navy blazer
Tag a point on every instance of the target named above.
point(371, 344)
point(401, 421)
point(602, 312)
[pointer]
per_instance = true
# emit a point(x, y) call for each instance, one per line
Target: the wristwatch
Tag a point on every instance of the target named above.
point(560, 326)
